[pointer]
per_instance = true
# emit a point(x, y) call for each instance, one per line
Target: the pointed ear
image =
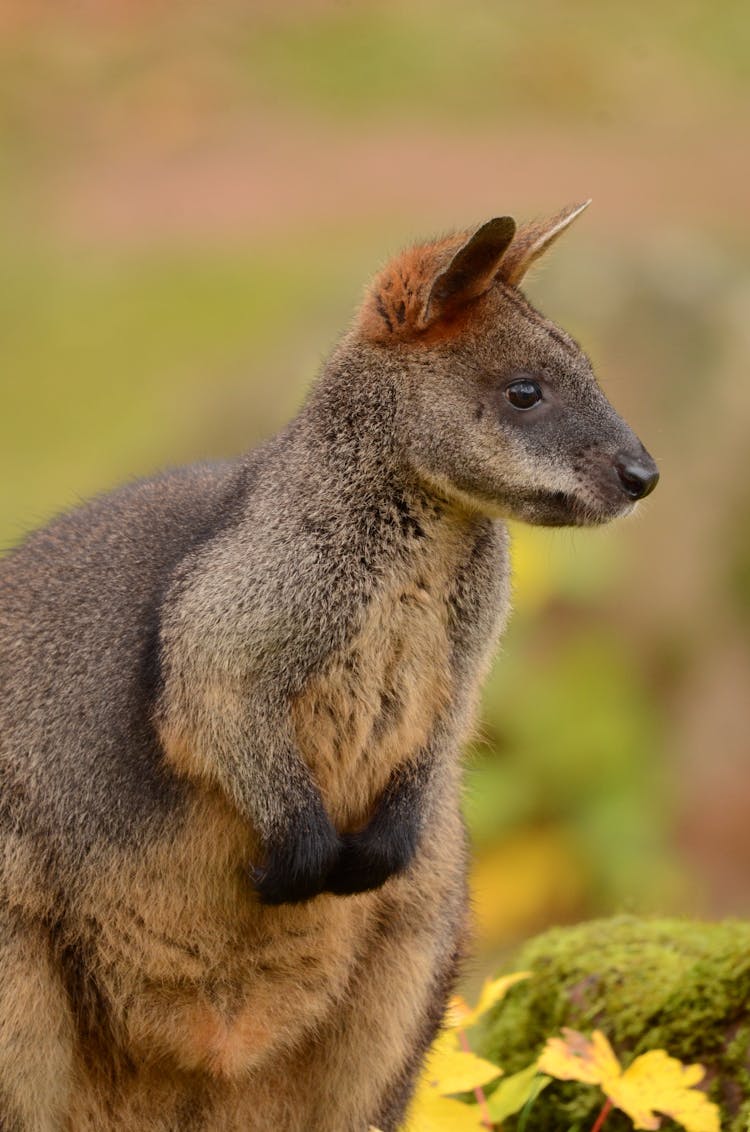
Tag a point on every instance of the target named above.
point(471, 271)
point(533, 240)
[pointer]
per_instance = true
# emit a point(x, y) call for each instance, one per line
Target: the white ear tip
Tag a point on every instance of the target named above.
point(567, 216)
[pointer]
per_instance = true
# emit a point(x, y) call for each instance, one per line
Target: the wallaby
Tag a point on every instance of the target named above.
point(233, 700)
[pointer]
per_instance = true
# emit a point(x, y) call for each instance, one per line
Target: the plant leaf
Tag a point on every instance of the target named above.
point(450, 1069)
point(514, 1092)
point(575, 1058)
point(654, 1082)
point(430, 1112)
point(493, 991)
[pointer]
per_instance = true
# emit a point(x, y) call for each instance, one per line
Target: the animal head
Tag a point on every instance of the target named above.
point(496, 406)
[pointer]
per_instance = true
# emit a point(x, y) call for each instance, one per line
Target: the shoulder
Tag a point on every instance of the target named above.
point(116, 552)
point(180, 500)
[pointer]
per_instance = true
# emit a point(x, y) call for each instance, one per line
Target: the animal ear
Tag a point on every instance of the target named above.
point(533, 240)
point(472, 270)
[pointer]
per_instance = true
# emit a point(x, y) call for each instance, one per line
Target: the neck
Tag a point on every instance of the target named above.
point(352, 460)
point(351, 419)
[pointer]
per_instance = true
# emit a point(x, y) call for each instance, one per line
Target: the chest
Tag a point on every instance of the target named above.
point(374, 704)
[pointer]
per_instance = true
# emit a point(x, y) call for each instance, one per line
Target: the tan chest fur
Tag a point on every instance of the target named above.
point(375, 705)
point(199, 974)
point(206, 989)
point(196, 973)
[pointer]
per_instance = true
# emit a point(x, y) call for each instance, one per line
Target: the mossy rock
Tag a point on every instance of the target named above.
point(647, 984)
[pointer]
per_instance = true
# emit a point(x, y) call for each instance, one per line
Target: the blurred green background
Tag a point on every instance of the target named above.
point(193, 196)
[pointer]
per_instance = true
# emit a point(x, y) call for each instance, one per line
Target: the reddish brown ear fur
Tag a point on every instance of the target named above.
point(431, 283)
point(425, 291)
point(396, 299)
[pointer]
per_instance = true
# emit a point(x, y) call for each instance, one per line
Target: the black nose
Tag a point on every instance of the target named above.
point(638, 474)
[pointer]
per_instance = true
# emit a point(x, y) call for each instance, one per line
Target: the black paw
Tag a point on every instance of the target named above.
point(297, 867)
point(368, 859)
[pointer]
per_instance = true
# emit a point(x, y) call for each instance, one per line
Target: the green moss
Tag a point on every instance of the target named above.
point(648, 984)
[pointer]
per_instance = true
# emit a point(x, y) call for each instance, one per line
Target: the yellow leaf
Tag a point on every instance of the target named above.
point(450, 1069)
point(430, 1112)
point(514, 1092)
point(575, 1058)
point(493, 991)
point(656, 1081)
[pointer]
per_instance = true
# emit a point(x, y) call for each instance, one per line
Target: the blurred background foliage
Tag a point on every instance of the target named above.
point(193, 196)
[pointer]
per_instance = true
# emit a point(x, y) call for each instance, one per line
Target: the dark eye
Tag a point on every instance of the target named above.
point(523, 394)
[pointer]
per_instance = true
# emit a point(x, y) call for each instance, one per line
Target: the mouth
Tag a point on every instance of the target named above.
point(565, 509)
point(604, 487)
